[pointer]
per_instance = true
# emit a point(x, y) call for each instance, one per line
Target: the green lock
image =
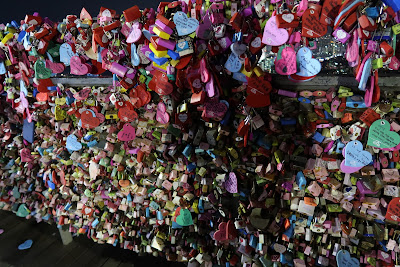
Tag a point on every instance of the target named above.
point(117, 42)
point(334, 208)
point(396, 29)
point(377, 63)
point(104, 162)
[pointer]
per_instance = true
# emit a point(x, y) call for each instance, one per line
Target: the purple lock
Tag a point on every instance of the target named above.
point(146, 50)
point(118, 69)
point(373, 46)
point(341, 35)
point(225, 43)
point(151, 29)
point(163, 27)
point(131, 73)
point(169, 44)
point(247, 12)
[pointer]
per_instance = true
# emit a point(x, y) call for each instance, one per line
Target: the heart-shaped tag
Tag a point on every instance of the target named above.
point(66, 53)
point(343, 259)
point(380, 136)
point(185, 25)
point(127, 115)
point(89, 120)
point(238, 49)
point(330, 10)
point(231, 183)
point(221, 234)
point(215, 110)
point(73, 143)
point(393, 209)
point(135, 34)
point(77, 67)
point(127, 133)
point(258, 91)
point(273, 35)
point(162, 116)
point(355, 156)
point(55, 67)
point(160, 83)
point(184, 218)
point(233, 64)
point(287, 64)
point(308, 66)
point(26, 155)
point(311, 26)
point(41, 72)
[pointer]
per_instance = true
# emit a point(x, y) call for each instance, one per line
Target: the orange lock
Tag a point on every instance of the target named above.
point(367, 23)
point(154, 42)
point(198, 98)
point(349, 23)
point(132, 13)
point(112, 26)
point(33, 20)
point(386, 49)
point(310, 201)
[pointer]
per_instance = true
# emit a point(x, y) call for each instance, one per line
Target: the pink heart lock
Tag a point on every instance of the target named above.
point(162, 116)
point(26, 155)
point(77, 67)
point(127, 133)
point(273, 35)
point(215, 110)
point(287, 64)
point(135, 34)
point(55, 67)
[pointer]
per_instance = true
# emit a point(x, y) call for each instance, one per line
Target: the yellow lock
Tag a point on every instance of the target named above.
point(156, 52)
point(7, 38)
point(60, 101)
point(161, 34)
point(396, 28)
point(258, 71)
point(247, 73)
point(174, 62)
point(163, 66)
point(59, 113)
point(377, 63)
point(195, 206)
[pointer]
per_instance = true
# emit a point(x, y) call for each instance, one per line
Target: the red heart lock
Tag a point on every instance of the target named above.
point(221, 235)
point(329, 12)
point(55, 67)
point(312, 27)
point(287, 20)
point(258, 91)
point(183, 62)
point(162, 84)
point(43, 84)
point(88, 120)
point(393, 210)
point(96, 67)
point(127, 115)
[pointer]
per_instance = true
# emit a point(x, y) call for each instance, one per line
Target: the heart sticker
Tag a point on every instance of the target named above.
point(380, 136)
point(343, 259)
point(233, 64)
point(273, 35)
point(73, 143)
point(127, 133)
point(77, 67)
point(231, 183)
point(162, 116)
point(307, 65)
point(184, 218)
point(185, 25)
point(393, 210)
point(258, 91)
point(41, 72)
point(311, 27)
point(89, 120)
point(66, 53)
point(55, 67)
point(287, 64)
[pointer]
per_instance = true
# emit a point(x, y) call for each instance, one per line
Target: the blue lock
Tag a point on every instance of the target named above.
point(158, 60)
point(288, 121)
point(355, 102)
point(187, 151)
point(327, 115)
point(318, 137)
point(301, 180)
point(395, 4)
point(372, 12)
point(173, 55)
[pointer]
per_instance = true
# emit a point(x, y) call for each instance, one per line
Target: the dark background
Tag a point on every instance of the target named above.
point(56, 10)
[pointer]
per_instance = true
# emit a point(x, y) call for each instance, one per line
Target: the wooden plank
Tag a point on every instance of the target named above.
point(91, 257)
point(54, 252)
point(111, 263)
point(126, 264)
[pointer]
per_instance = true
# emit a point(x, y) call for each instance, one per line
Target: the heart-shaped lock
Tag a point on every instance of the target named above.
point(258, 91)
point(41, 72)
point(77, 67)
point(89, 120)
point(287, 64)
point(308, 66)
point(162, 116)
point(273, 35)
point(185, 25)
point(311, 26)
point(66, 53)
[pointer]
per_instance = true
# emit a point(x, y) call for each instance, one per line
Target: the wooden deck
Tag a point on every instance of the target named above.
point(48, 250)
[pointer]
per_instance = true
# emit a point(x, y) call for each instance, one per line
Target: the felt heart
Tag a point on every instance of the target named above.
point(185, 25)
point(184, 218)
point(127, 114)
point(72, 143)
point(287, 64)
point(238, 49)
point(393, 209)
point(127, 133)
point(311, 27)
point(380, 136)
point(89, 120)
point(22, 211)
point(41, 72)
point(231, 183)
point(135, 34)
point(355, 156)
point(258, 91)
point(221, 234)
point(26, 245)
point(308, 66)
point(162, 116)
point(77, 67)
point(215, 110)
point(55, 67)
point(66, 53)
point(273, 35)
point(233, 64)
point(343, 259)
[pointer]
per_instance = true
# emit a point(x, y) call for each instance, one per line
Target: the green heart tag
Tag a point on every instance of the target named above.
point(184, 218)
point(23, 211)
point(380, 135)
point(41, 72)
